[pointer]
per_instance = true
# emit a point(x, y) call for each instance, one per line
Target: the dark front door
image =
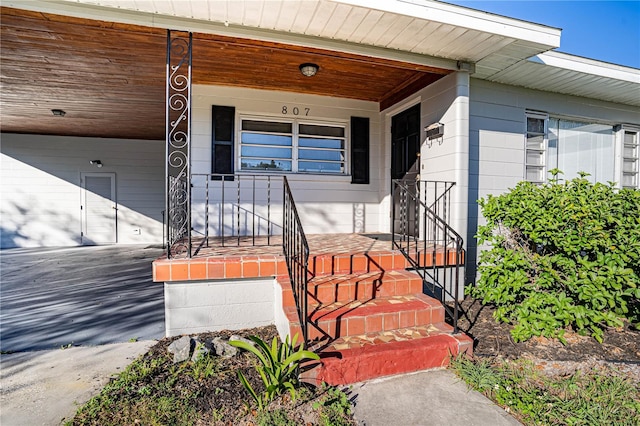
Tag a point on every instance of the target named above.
point(405, 165)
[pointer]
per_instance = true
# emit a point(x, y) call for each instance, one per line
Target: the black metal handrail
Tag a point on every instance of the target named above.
point(296, 252)
point(436, 238)
point(230, 209)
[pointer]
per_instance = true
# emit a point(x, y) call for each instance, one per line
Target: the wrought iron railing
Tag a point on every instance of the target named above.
point(234, 210)
point(296, 252)
point(435, 250)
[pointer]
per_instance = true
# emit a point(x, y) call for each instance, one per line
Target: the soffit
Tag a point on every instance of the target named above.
point(572, 75)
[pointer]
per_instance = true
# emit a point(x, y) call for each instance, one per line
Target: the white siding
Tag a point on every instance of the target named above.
point(40, 188)
point(496, 136)
point(326, 203)
point(446, 159)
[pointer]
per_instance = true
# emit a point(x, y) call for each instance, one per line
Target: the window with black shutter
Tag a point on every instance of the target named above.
point(222, 140)
point(360, 150)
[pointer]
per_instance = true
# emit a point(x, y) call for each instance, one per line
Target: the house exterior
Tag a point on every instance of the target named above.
point(420, 90)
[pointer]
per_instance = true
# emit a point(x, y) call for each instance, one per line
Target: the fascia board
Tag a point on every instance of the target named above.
point(587, 66)
point(466, 18)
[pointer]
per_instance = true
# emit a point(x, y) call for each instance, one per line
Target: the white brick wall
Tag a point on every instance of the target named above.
point(200, 306)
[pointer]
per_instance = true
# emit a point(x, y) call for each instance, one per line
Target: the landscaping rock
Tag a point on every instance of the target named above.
point(242, 339)
point(223, 348)
point(180, 349)
point(200, 350)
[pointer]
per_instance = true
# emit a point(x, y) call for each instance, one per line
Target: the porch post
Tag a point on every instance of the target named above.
point(178, 143)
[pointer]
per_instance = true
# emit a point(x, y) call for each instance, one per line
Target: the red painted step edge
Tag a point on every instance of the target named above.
point(373, 361)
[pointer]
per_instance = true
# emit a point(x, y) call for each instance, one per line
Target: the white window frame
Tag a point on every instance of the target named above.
point(295, 135)
point(618, 130)
point(544, 150)
point(623, 158)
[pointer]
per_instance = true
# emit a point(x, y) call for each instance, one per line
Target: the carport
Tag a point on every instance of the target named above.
point(55, 297)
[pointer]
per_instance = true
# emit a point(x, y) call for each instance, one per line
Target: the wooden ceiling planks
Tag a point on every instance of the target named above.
point(110, 77)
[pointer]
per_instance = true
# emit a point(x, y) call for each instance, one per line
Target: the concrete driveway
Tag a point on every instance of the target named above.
point(51, 298)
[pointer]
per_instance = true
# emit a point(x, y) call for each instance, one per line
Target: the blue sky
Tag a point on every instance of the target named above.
point(604, 30)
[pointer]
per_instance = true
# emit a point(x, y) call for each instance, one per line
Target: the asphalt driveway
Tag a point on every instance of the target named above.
point(52, 298)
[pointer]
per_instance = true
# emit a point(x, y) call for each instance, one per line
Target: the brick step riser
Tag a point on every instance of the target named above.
point(350, 291)
point(354, 324)
point(358, 263)
point(356, 365)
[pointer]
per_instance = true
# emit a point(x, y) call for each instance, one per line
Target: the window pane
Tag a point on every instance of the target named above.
point(268, 165)
point(319, 167)
point(535, 142)
point(630, 138)
point(260, 139)
point(535, 158)
point(629, 180)
point(586, 147)
point(630, 165)
point(259, 151)
point(266, 126)
point(310, 129)
point(630, 151)
point(534, 174)
point(535, 125)
point(316, 154)
point(321, 143)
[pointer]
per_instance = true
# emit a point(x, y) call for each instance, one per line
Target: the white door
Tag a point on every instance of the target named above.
point(99, 208)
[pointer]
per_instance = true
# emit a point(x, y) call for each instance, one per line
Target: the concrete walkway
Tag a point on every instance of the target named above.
point(47, 387)
point(435, 397)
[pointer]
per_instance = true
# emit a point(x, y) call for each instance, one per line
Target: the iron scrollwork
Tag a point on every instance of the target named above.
point(178, 134)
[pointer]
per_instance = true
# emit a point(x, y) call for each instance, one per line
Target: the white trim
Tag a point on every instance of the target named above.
point(463, 17)
point(587, 66)
point(295, 134)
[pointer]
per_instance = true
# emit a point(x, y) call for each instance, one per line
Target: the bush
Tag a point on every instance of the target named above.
point(561, 254)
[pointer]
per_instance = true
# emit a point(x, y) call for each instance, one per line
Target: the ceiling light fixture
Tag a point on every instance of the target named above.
point(309, 69)
point(58, 112)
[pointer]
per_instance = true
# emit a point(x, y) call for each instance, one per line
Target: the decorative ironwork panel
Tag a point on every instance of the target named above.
point(178, 135)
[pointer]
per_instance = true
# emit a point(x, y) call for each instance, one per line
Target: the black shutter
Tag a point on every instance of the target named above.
point(222, 140)
point(360, 150)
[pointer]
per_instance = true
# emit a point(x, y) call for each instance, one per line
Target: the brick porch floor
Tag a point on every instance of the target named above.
point(329, 253)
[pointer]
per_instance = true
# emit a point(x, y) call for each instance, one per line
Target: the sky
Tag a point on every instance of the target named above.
point(608, 31)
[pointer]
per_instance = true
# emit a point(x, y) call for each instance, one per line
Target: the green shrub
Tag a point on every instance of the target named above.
point(561, 254)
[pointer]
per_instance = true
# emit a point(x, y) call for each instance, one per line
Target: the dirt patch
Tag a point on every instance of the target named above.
point(207, 392)
point(620, 348)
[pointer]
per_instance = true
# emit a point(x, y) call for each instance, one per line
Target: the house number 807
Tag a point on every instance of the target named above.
point(294, 110)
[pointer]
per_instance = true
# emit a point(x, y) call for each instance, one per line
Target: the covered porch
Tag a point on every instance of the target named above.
point(316, 202)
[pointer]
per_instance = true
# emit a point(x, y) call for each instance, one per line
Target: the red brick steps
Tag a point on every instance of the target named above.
point(358, 358)
point(368, 317)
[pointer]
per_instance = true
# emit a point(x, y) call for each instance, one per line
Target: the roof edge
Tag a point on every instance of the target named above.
point(587, 66)
point(465, 17)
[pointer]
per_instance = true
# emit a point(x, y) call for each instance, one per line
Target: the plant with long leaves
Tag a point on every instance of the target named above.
point(278, 368)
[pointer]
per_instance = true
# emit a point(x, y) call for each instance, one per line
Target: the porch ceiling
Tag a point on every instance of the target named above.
point(109, 77)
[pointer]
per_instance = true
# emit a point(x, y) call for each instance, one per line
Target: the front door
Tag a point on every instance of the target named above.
point(99, 208)
point(405, 165)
